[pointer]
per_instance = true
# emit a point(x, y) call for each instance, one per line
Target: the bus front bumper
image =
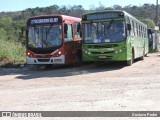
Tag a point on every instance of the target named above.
point(42, 61)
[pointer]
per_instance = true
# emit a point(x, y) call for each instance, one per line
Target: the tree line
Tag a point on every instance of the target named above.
point(146, 11)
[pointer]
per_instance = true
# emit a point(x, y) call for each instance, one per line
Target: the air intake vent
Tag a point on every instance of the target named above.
point(43, 60)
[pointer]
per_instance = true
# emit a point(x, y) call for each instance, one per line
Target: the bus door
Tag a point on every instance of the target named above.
point(69, 47)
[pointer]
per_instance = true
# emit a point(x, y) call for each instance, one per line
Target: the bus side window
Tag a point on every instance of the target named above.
point(137, 29)
point(77, 30)
point(68, 32)
point(133, 29)
point(65, 29)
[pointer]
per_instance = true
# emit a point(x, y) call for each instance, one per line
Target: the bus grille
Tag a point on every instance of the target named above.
point(102, 46)
point(102, 52)
point(43, 60)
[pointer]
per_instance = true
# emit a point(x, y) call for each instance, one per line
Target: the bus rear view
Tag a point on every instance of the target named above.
point(53, 39)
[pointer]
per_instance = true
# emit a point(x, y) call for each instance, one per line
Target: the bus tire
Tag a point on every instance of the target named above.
point(100, 63)
point(146, 55)
point(49, 66)
point(78, 61)
point(131, 61)
point(142, 57)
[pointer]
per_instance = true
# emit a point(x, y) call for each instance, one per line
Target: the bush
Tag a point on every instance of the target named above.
point(10, 51)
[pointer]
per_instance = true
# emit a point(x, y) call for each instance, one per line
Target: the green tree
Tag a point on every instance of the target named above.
point(2, 34)
point(5, 23)
point(149, 23)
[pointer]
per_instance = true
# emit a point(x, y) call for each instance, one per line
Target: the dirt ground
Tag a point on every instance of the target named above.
point(111, 87)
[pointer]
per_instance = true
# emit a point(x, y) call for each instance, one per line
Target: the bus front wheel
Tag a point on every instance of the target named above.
point(78, 61)
point(142, 57)
point(131, 61)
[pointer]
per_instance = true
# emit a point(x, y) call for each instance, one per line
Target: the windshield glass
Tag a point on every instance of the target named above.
point(113, 31)
point(45, 36)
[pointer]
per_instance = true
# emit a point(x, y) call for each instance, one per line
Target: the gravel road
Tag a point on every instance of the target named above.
point(111, 87)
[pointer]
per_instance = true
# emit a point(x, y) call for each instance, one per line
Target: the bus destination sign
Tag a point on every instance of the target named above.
point(99, 16)
point(44, 21)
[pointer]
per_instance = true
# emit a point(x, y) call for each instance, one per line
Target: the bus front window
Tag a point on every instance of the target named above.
point(113, 31)
point(44, 36)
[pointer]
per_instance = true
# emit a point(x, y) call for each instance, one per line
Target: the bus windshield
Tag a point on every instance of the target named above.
point(44, 36)
point(102, 32)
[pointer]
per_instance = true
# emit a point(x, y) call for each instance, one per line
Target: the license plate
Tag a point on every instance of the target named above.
point(102, 57)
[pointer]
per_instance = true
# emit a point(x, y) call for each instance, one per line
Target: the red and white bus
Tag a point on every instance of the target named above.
point(53, 39)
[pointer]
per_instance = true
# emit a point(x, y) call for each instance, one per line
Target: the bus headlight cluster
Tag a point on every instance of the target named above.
point(29, 54)
point(119, 51)
point(59, 52)
point(116, 52)
point(87, 52)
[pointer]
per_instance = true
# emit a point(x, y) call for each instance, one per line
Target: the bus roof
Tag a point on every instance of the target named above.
point(114, 11)
point(103, 11)
point(64, 17)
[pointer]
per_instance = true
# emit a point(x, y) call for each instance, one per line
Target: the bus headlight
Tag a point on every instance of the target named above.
point(29, 54)
point(89, 53)
point(116, 52)
point(120, 50)
point(59, 52)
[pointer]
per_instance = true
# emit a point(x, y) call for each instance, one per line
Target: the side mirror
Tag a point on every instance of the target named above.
point(65, 28)
point(129, 27)
point(149, 31)
point(80, 33)
point(79, 27)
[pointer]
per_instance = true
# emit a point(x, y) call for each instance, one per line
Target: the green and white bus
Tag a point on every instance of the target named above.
point(113, 36)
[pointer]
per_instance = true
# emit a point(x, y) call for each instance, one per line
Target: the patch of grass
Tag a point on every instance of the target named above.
point(11, 53)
